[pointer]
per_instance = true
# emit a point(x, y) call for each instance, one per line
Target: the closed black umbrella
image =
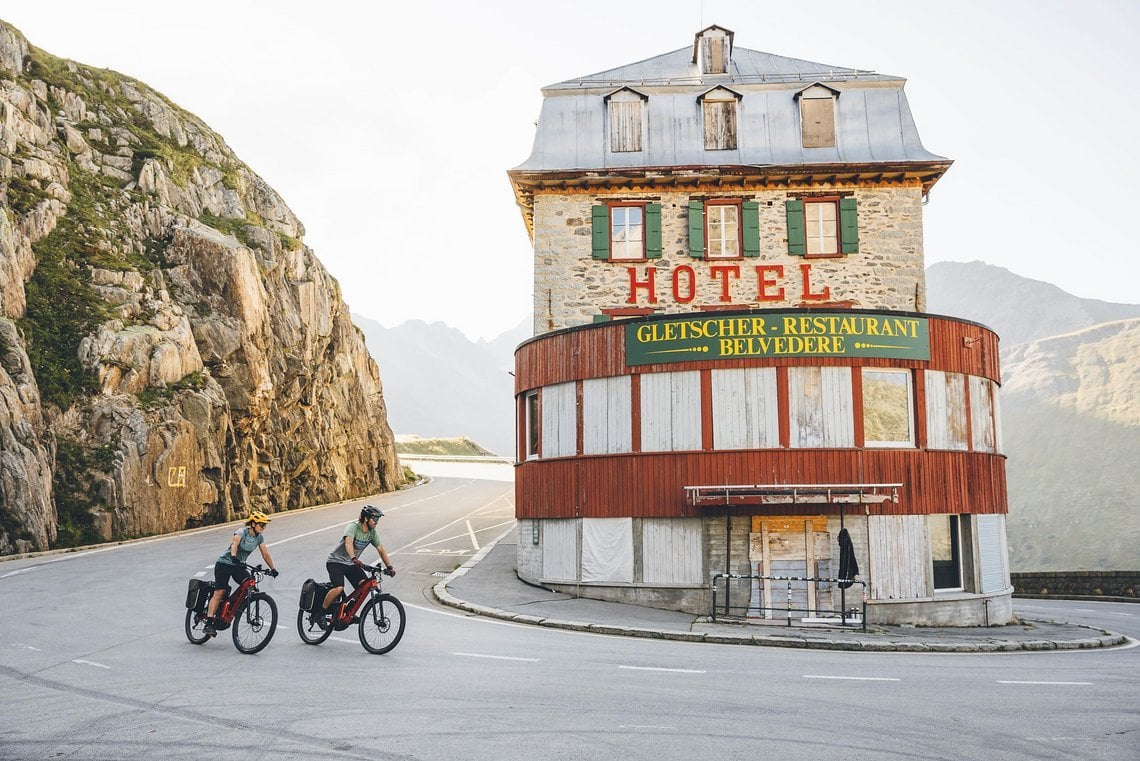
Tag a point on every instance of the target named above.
point(848, 565)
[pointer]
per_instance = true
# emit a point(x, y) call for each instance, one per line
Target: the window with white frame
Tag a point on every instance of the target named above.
point(722, 222)
point(821, 220)
point(946, 551)
point(627, 232)
point(888, 408)
point(531, 425)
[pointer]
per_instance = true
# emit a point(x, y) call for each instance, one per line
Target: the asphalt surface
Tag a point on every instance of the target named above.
point(488, 585)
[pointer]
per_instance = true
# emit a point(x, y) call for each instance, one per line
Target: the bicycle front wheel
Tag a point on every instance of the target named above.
point(312, 633)
point(381, 624)
point(196, 627)
point(255, 623)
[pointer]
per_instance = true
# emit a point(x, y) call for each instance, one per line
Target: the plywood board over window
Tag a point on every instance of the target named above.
point(946, 413)
point(817, 116)
point(820, 407)
point(625, 113)
point(559, 417)
point(671, 411)
point(718, 109)
point(745, 409)
point(607, 426)
point(671, 550)
point(982, 424)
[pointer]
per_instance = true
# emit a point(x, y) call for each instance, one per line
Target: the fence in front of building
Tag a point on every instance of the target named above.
point(791, 601)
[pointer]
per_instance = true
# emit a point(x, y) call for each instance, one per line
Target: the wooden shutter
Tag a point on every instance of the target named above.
point(697, 229)
point(601, 232)
point(848, 226)
point(797, 240)
point(750, 210)
point(652, 231)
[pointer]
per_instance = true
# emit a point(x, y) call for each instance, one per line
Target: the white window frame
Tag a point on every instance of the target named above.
point(532, 426)
point(821, 235)
point(716, 246)
point(627, 238)
point(906, 375)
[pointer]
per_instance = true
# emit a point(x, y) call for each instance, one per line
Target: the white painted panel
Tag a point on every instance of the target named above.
point(899, 556)
point(670, 411)
point(607, 549)
point(946, 411)
point(559, 420)
point(745, 413)
point(999, 441)
point(671, 550)
point(560, 549)
point(992, 551)
point(838, 407)
point(983, 436)
point(606, 426)
point(805, 406)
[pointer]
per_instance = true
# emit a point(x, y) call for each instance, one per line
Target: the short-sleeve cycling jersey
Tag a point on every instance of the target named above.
point(360, 540)
point(249, 542)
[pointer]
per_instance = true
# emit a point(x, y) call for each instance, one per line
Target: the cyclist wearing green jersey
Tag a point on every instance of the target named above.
point(229, 564)
point(344, 561)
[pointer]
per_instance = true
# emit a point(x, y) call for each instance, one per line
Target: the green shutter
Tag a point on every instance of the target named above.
point(797, 241)
point(652, 231)
point(601, 237)
point(602, 318)
point(848, 226)
point(750, 210)
point(697, 229)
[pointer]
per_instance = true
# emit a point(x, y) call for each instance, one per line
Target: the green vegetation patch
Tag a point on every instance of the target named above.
point(75, 464)
point(456, 447)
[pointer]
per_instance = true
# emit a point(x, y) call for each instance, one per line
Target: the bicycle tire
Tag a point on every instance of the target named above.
point(255, 623)
point(382, 624)
point(311, 632)
point(196, 627)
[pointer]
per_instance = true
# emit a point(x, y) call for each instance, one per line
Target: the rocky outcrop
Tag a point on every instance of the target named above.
point(171, 353)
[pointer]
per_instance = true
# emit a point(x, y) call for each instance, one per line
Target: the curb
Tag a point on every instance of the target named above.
point(443, 596)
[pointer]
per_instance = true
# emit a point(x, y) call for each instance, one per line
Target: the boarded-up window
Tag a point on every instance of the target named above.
point(607, 549)
point(982, 428)
point(820, 407)
point(559, 420)
point(671, 550)
point(625, 118)
point(899, 551)
point(745, 410)
point(670, 411)
point(560, 549)
point(817, 115)
point(714, 52)
point(887, 408)
point(607, 426)
point(719, 110)
point(946, 411)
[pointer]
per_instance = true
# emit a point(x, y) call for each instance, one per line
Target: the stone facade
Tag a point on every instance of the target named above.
point(571, 288)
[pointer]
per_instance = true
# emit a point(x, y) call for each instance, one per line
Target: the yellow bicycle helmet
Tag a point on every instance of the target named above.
point(258, 517)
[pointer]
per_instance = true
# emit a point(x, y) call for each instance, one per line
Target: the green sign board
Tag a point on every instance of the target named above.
point(776, 334)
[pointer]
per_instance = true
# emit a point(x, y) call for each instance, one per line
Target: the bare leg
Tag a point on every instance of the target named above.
point(332, 595)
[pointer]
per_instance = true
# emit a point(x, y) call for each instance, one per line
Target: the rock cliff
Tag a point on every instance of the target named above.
point(171, 353)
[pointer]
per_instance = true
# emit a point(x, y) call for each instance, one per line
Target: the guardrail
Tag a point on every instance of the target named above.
point(823, 616)
point(456, 458)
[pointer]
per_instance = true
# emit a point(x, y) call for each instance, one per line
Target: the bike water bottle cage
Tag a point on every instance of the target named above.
point(372, 512)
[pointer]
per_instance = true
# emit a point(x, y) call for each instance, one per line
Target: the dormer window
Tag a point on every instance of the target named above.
point(817, 116)
point(625, 113)
point(718, 109)
point(712, 50)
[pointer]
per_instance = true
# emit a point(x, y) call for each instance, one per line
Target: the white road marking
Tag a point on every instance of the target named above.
point(26, 647)
point(471, 533)
point(656, 668)
point(90, 663)
point(498, 657)
point(200, 574)
point(13, 573)
point(1012, 681)
point(1085, 610)
point(854, 678)
point(417, 541)
point(647, 726)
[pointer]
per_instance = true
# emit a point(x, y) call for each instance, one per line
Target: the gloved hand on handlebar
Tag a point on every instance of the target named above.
point(389, 571)
point(356, 562)
point(272, 572)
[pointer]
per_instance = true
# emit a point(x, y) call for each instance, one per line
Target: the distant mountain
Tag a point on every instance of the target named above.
point(1070, 415)
point(440, 384)
point(1018, 308)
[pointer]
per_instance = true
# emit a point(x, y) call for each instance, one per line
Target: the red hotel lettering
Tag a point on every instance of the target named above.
point(723, 271)
point(763, 282)
point(649, 284)
point(823, 295)
point(684, 269)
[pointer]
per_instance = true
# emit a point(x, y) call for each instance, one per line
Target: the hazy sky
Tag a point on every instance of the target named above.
point(388, 127)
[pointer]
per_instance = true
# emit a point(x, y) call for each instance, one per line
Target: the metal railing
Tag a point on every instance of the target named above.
point(823, 615)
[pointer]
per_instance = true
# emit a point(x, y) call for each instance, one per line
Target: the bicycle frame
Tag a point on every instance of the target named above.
point(232, 602)
point(352, 604)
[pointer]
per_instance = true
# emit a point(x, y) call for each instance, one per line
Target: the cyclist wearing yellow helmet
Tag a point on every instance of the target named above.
point(230, 564)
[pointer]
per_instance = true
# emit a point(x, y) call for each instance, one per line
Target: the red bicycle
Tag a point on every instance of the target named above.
point(252, 613)
point(379, 616)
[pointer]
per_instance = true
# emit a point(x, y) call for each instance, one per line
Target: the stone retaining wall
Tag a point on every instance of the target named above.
point(1076, 584)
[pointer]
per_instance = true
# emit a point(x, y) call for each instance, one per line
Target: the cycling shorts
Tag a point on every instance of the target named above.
point(338, 572)
point(223, 572)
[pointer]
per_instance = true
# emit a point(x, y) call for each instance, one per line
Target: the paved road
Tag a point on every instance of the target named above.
point(94, 665)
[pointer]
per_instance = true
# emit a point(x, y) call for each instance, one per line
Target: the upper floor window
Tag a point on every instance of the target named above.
point(627, 231)
point(888, 408)
point(826, 226)
point(722, 228)
point(722, 221)
point(718, 110)
point(712, 50)
point(817, 116)
point(625, 113)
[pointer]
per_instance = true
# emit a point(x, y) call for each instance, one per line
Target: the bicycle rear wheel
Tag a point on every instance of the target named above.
point(381, 624)
point(255, 623)
point(312, 633)
point(196, 627)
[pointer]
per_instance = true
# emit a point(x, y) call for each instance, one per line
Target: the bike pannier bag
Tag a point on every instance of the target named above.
point(197, 593)
point(309, 591)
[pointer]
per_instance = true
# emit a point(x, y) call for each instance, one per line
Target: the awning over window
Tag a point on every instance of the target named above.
point(791, 494)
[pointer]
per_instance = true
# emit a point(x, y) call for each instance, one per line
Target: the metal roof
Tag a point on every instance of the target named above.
point(873, 120)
